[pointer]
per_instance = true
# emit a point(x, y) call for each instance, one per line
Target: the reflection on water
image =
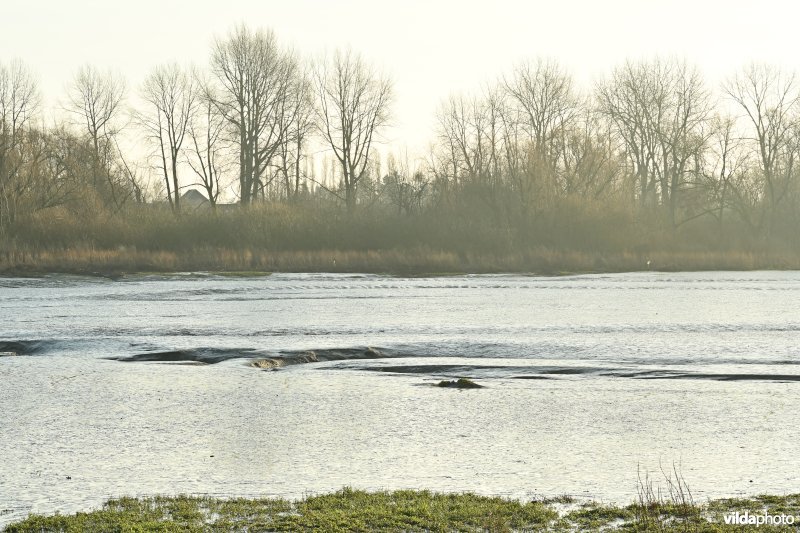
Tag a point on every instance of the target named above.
point(630, 370)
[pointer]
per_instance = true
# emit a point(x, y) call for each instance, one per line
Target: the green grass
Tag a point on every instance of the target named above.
point(345, 510)
point(404, 510)
point(594, 516)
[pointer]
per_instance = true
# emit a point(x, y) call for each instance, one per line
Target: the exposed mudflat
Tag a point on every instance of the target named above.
point(286, 384)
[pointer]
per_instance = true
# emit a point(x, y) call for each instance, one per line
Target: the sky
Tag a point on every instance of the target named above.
point(431, 49)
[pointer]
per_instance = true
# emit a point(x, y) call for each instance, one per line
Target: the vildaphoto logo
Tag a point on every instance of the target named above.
point(764, 519)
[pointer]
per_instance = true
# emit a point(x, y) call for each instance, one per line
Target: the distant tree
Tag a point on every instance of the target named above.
point(489, 153)
point(660, 110)
point(171, 94)
point(257, 79)
point(138, 180)
point(405, 186)
point(353, 105)
point(207, 152)
point(298, 121)
point(59, 173)
point(468, 129)
point(19, 102)
point(96, 100)
point(590, 166)
point(544, 93)
point(726, 173)
point(768, 98)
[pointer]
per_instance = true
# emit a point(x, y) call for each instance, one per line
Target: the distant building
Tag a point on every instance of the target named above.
point(192, 200)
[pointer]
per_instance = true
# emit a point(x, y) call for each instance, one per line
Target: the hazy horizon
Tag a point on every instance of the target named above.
point(430, 51)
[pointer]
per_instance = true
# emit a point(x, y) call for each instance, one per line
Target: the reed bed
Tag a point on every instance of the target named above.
point(320, 238)
point(110, 262)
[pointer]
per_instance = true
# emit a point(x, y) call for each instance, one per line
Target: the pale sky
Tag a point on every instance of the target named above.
point(430, 48)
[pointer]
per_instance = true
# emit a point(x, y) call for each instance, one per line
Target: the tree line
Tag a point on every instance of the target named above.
point(651, 142)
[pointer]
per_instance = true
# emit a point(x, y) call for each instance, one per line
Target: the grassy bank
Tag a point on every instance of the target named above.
point(354, 510)
point(112, 262)
point(321, 238)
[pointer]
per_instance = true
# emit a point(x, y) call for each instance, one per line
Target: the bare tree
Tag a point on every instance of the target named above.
point(405, 183)
point(354, 100)
point(590, 165)
point(769, 100)
point(256, 76)
point(462, 129)
point(659, 109)
point(298, 121)
point(172, 96)
point(206, 155)
point(19, 102)
point(726, 172)
point(95, 99)
point(544, 93)
point(623, 99)
point(58, 173)
point(489, 150)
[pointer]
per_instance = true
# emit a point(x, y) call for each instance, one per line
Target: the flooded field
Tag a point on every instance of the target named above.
point(290, 384)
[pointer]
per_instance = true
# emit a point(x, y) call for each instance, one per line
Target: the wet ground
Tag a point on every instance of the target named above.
point(290, 384)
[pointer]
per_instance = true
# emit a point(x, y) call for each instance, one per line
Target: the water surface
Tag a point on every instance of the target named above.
point(587, 380)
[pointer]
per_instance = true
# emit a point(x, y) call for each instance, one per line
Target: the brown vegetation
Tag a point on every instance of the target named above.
point(645, 171)
point(314, 239)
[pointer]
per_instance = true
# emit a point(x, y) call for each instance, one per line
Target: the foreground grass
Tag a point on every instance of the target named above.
point(355, 510)
point(346, 510)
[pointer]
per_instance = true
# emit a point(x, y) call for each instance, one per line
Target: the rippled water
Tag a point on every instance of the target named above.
point(587, 379)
